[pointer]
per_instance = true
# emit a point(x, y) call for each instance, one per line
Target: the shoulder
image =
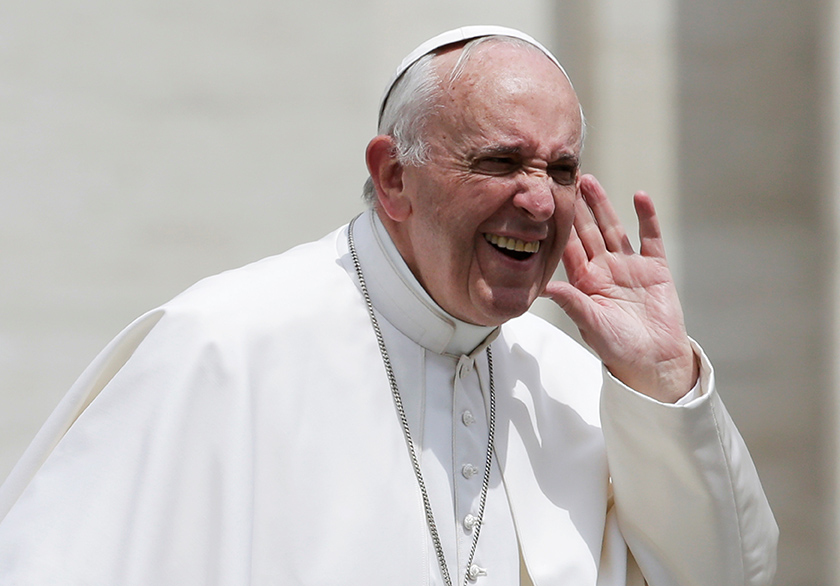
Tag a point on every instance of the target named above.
point(291, 292)
point(307, 275)
point(288, 274)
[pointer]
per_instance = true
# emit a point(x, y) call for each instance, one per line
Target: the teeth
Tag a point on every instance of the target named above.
point(512, 243)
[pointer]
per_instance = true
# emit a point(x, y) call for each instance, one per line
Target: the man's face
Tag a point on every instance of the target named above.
point(503, 173)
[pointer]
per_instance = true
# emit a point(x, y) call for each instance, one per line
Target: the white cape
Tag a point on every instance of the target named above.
point(244, 433)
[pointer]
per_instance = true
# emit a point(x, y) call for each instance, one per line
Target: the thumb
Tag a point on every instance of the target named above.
point(572, 301)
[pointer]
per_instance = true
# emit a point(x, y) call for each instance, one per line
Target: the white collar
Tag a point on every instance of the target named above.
point(399, 297)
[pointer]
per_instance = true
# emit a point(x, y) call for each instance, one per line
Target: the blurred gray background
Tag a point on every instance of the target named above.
point(145, 144)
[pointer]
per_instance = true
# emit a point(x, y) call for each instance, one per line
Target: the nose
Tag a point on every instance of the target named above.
point(534, 195)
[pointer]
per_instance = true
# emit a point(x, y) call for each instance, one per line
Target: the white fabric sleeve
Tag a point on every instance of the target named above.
point(80, 395)
point(688, 498)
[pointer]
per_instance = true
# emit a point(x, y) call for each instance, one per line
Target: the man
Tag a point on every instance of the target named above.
point(378, 408)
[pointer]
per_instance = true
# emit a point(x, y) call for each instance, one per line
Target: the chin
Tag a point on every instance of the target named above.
point(498, 311)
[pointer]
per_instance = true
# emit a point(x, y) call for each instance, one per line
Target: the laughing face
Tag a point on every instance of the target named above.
point(483, 224)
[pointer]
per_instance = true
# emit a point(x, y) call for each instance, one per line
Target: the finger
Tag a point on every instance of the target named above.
point(650, 234)
point(574, 256)
point(587, 229)
point(612, 231)
point(573, 302)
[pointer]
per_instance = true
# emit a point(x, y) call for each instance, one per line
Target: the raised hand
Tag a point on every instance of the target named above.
point(625, 303)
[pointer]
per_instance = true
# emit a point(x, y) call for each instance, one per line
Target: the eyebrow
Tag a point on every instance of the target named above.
point(566, 158)
point(491, 151)
point(494, 151)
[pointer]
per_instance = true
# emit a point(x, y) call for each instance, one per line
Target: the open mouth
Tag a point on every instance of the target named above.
point(513, 247)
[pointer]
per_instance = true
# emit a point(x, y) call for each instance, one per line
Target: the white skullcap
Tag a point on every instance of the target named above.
point(465, 33)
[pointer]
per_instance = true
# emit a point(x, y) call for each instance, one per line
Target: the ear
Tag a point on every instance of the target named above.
point(387, 175)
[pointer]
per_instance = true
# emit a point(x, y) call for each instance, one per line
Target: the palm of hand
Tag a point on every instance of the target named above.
point(625, 303)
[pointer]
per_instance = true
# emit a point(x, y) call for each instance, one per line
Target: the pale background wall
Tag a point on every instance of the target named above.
point(759, 249)
point(146, 144)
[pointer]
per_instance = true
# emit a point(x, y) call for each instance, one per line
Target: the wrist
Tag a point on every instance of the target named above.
point(666, 381)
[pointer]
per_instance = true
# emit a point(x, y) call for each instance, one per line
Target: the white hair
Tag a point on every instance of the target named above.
point(413, 99)
point(404, 116)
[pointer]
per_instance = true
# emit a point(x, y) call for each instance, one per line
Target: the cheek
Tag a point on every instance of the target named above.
point(458, 220)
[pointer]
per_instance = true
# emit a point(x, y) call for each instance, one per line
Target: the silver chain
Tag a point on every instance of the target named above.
point(430, 519)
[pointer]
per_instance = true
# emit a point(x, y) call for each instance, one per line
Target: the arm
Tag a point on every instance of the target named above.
point(687, 496)
point(688, 499)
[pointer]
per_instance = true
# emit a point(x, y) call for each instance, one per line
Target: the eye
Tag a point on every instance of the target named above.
point(563, 174)
point(502, 165)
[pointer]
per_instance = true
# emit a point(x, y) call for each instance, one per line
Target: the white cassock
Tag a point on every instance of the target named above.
point(245, 434)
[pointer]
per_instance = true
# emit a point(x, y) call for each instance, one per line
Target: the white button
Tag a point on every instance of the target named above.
point(467, 418)
point(474, 572)
point(464, 366)
point(470, 521)
point(468, 470)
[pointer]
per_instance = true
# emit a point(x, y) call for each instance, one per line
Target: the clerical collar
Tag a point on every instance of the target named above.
point(398, 296)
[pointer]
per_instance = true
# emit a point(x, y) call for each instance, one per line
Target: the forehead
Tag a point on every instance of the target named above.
point(505, 92)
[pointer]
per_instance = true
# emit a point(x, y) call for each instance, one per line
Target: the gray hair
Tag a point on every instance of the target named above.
point(414, 98)
point(409, 105)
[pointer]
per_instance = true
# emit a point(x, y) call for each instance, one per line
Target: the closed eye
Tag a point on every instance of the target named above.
point(564, 174)
point(496, 165)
